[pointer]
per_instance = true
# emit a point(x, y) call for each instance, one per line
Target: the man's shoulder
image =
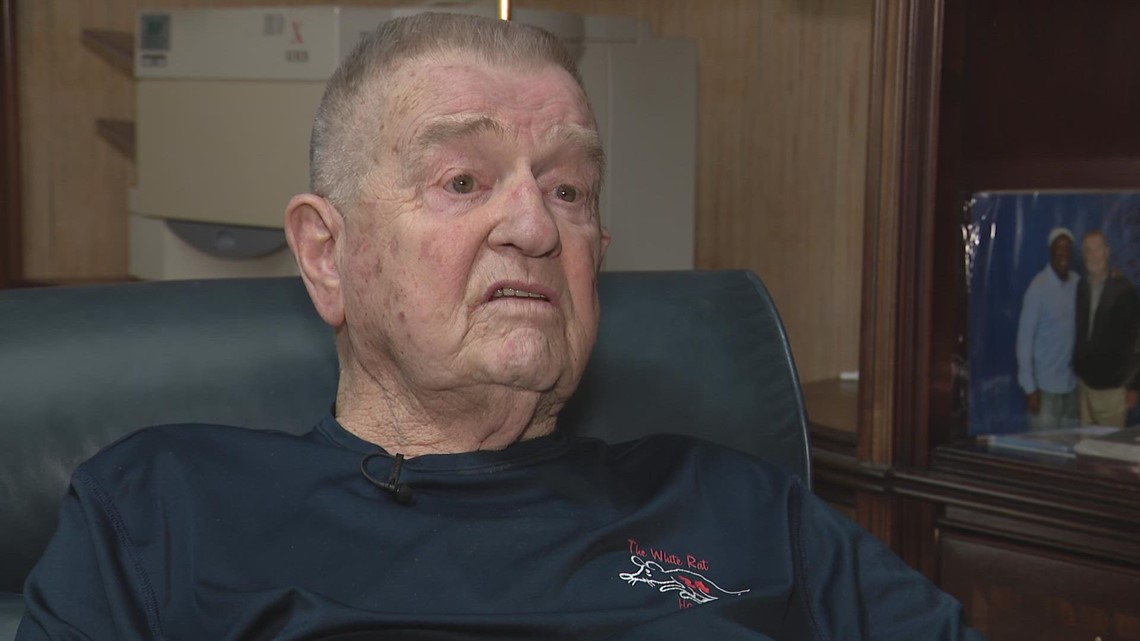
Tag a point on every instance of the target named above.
point(190, 436)
point(1040, 280)
point(1118, 284)
point(160, 446)
point(676, 452)
point(1046, 282)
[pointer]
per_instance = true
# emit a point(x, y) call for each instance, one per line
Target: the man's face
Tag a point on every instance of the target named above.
point(473, 254)
point(1094, 251)
point(1060, 254)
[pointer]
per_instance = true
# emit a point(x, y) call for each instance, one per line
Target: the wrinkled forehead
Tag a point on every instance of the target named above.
point(465, 86)
point(434, 103)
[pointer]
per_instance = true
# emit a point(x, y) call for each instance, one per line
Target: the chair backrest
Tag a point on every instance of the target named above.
point(701, 353)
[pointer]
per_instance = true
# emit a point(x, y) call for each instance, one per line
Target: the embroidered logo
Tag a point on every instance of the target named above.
point(691, 587)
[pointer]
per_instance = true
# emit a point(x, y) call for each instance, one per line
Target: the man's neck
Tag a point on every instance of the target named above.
point(382, 410)
point(1097, 278)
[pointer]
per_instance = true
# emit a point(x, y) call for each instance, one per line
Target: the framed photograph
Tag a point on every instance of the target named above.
point(1053, 319)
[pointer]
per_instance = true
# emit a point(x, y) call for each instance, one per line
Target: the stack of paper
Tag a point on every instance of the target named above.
point(1122, 445)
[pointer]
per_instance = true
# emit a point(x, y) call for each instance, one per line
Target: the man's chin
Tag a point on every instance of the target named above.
point(528, 359)
point(534, 377)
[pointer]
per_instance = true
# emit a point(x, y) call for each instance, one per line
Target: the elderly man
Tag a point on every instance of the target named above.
point(452, 239)
point(1108, 317)
point(1045, 336)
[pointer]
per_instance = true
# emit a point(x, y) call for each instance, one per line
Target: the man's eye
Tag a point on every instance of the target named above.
point(461, 184)
point(566, 193)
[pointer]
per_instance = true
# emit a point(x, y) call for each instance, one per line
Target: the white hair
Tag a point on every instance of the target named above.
point(345, 133)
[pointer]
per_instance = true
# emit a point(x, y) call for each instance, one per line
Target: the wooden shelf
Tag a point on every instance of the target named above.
point(1082, 507)
point(1121, 172)
point(833, 404)
point(116, 47)
point(120, 133)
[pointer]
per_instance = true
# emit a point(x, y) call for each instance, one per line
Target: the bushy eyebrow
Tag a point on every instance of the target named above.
point(441, 132)
point(446, 130)
point(587, 142)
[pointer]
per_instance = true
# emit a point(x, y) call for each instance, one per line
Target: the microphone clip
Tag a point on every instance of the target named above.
point(399, 492)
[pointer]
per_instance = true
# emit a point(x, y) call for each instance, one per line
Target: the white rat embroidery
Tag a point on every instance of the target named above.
point(690, 585)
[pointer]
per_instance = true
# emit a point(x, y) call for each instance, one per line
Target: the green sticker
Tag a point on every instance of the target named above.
point(154, 31)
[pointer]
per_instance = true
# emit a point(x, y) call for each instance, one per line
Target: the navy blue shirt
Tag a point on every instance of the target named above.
point(206, 532)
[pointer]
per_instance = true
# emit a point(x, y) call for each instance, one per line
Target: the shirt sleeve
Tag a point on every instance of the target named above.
point(1026, 331)
point(1131, 313)
point(88, 584)
point(854, 587)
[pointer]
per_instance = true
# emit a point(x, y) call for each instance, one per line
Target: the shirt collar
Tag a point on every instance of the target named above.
point(330, 431)
point(1074, 277)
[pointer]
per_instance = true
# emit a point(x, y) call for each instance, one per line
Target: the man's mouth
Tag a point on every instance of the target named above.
point(509, 292)
point(504, 290)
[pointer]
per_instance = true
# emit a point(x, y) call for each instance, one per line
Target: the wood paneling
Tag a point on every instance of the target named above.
point(74, 185)
point(782, 147)
point(897, 286)
point(833, 404)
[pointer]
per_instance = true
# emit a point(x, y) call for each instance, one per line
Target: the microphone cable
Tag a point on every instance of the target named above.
point(400, 492)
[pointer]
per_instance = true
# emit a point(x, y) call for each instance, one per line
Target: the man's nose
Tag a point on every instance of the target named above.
point(525, 223)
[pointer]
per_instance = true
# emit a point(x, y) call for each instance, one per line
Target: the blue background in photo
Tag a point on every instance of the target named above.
point(1006, 246)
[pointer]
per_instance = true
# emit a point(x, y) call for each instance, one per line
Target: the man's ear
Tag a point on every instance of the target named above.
point(606, 238)
point(313, 228)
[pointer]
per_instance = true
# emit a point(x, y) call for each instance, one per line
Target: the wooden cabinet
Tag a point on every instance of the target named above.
point(1012, 593)
point(1035, 547)
point(971, 95)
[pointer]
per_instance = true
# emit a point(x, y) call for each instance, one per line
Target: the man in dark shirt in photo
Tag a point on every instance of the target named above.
point(1104, 357)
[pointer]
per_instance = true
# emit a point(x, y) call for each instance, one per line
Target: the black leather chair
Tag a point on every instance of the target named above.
point(701, 353)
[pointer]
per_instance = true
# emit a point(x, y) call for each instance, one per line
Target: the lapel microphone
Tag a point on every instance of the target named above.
point(400, 492)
